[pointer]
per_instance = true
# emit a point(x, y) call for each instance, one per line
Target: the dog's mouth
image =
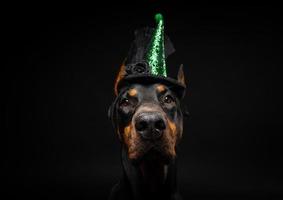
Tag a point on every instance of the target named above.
point(153, 168)
point(152, 153)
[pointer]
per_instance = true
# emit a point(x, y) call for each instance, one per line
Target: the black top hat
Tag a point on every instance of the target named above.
point(146, 60)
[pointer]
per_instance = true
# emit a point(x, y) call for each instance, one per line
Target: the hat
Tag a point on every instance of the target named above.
point(146, 60)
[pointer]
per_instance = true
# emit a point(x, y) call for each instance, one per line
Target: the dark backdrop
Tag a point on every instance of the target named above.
point(57, 141)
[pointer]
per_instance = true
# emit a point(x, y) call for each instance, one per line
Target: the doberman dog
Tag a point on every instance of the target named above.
point(148, 119)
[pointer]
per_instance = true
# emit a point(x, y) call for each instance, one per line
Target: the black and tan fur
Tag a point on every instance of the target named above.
point(149, 165)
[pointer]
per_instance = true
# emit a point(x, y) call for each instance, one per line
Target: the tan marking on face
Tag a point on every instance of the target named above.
point(170, 138)
point(133, 92)
point(132, 141)
point(160, 88)
point(169, 143)
point(172, 126)
point(127, 133)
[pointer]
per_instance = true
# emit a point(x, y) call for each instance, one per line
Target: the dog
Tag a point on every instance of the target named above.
point(149, 122)
point(147, 118)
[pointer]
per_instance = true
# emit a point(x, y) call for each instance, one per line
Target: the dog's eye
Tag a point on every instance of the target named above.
point(168, 99)
point(124, 102)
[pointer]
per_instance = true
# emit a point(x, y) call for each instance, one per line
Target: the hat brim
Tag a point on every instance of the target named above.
point(146, 79)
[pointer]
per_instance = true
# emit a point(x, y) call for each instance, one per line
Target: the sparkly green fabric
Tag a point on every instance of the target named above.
point(156, 54)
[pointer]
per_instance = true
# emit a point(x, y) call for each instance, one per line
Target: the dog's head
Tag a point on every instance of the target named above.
point(148, 119)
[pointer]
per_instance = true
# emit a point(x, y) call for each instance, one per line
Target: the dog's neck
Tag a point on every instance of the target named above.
point(154, 175)
point(149, 179)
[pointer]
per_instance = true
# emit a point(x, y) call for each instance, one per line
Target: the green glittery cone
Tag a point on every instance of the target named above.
point(145, 62)
point(156, 54)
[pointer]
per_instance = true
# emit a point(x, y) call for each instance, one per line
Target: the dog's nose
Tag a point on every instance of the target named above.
point(150, 125)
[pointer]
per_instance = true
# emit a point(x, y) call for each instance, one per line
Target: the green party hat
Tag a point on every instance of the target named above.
point(156, 53)
point(145, 61)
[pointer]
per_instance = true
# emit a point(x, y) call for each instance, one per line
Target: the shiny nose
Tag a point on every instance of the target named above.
point(150, 125)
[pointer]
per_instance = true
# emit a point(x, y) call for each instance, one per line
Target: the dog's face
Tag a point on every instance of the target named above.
point(149, 121)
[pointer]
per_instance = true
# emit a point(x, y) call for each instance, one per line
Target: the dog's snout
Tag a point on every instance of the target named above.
point(150, 125)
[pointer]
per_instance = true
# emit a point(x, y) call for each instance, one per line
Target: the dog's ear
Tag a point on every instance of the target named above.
point(181, 75)
point(120, 76)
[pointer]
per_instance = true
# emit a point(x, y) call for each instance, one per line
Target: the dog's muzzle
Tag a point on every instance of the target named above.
point(150, 125)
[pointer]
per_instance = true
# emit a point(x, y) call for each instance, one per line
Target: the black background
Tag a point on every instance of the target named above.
point(57, 141)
